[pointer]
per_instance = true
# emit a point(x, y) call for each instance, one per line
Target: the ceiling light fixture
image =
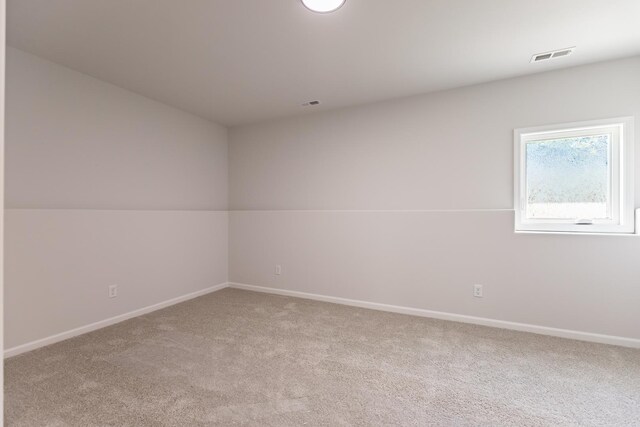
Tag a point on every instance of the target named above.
point(323, 6)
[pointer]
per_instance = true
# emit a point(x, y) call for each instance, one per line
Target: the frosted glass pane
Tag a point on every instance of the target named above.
point(568, 178)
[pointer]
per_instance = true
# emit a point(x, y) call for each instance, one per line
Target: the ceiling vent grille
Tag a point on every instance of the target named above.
point(538, 57)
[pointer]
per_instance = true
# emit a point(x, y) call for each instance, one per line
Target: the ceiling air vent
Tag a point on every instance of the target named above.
point(553, 54)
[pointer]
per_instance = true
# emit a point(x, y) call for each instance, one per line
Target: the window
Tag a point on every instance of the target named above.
point(575, 177)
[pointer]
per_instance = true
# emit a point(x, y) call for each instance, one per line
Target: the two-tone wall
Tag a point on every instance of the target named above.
point(405, 203)
point(104, 187)
point(409, 203)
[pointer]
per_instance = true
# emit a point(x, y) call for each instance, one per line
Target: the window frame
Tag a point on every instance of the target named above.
point(621, 155)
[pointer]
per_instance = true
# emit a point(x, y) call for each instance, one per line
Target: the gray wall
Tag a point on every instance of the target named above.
point(104, 187)
point(406, 202)
point(448, 155)
point(75, 142)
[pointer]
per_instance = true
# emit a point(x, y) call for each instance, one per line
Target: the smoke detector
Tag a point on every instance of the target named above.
point(538, 57)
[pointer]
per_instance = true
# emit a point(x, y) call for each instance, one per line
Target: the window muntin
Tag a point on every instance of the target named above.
point(575, 178)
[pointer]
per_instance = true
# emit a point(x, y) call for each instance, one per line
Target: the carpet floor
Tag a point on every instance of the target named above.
point(243, 358)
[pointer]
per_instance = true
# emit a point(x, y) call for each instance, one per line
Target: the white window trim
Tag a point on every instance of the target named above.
point(622, 177)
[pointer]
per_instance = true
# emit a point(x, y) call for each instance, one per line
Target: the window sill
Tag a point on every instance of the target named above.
point(586, 233)
point(577, 233)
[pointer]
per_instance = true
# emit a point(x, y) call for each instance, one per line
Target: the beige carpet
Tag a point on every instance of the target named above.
point(243, 358)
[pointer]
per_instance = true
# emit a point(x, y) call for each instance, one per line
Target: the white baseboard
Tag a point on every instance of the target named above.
point(542, 330)
point(523, 327)
point(14, 351)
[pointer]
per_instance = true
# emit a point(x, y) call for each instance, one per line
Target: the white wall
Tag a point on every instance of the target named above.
point(60, 262)
point(77, 142)
point(107, 187)
point(2, 103)
point(447, 155)
point(104, 187)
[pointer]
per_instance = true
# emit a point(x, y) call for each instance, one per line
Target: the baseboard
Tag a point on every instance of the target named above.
point(14, 351)
point(523, 327)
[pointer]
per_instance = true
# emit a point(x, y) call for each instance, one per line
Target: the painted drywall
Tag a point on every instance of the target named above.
point(59, 264)
point(76, 142)
point(2, 109)
point(352, 174)
point(448, 150)
point(104, 187)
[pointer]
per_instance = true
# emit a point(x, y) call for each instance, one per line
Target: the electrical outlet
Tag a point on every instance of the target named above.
point(278, 270)
point(477, 291)
point(113, 291)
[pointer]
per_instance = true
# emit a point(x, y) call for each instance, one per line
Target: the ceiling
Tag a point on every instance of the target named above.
point(242, 61)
